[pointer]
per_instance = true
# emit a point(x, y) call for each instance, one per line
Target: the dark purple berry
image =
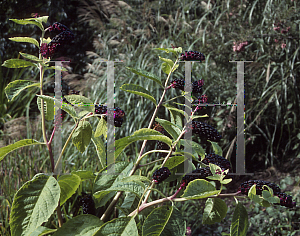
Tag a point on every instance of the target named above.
point(161, 145)
point(199, 173)
point(192, 56)
point(118, 114)
point(220, 161)
point(57, 27)
point(88, 204)
point(244, 188)
point(161, 174)
point(196, 85)
point(205, 131)
point(286, 200)
point(200, 100)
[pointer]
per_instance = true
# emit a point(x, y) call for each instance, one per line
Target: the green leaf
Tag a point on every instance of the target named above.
point(135, 178)
point(215, 210)
point(217, 149)
point(171, 108)
point(70, 110)
point(81, 101)
point(25, 40)
point(33, 204)
point(174, 161)
point(225, 181)
point(252, 195)
point(199, 188)
point(172, 129)
point(84, 174)
point(132, 187)
point(146, 74)
point(123, 226)
point(82, 225)
point(41, 230)
point(239, 225)
point(167, 65)
point(40, 19)
point(14, 88)
point(82, 135)
point(31, 21)
point(30, 57)
point(176, 225)
point(68, 186)
point(142, 134)
point(176, 118)
point(157, 220)
point(168, 50)
point(197, 148)
point(17, 63)
point(48, 107)
point(101, 128)
point(101, 150)
point(22, 143)
point(138, 90)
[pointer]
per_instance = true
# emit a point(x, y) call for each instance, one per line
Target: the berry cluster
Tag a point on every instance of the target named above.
point(199, 173)
point(200, 100)
point(192, 56)
point(88, 204)
point(65, 36)
point(220, 161)
point(238, 47)
point(285, 200)
point(161, 174)
point(161, 145)
point(118, 114)
point(196, 85)
point(204, 130)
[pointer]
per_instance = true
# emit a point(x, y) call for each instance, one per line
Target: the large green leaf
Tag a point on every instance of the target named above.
point(48, 107)
point(31, 21)
point(157, 220)
point(123, 226)
point(172, 129)
point(41, 230)
point(199, 188)
point(84, 174)
point(25, 40)
point(68, 186)
point(215, 210)
point(239, 225)
point(100, 149)
point(142, 134)
point(167, 65)
point(82, 225)
point(138, 90)
point(82, 135)
point(217, 149)
point(14, 88)
point(22, 143)
point(31, 57)
point(17, 63)
point(81, 101)
point(174, 161)
point(176, 225)
point(33, 204)
point(146, 74)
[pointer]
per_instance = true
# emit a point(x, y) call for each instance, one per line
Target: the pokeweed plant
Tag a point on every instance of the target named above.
point(42, 198)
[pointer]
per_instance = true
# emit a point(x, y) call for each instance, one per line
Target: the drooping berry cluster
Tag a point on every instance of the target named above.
point(161, 174)
point(118, 114)
point(205, 131)
point(161, 145)
point(65, 36)
point(192, 56)
point(285, 200)
point(88, 204)
point(196, 85)
point(200, 100)
point(220, 161)
point(199, 173)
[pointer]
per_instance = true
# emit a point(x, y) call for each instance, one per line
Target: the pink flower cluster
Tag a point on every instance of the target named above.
point(239, 46)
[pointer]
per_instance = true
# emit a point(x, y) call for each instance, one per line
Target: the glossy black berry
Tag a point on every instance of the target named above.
point(220, 161)
point(161, 174)
point(57, 27)
point(205, 131)
point(200, 100)
point(180, 83)
point(192, 56)
point(161, 145)
point(200, 173)
point(244, 187)
point(118, 114)
point(88, 204)
point(286, 200)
